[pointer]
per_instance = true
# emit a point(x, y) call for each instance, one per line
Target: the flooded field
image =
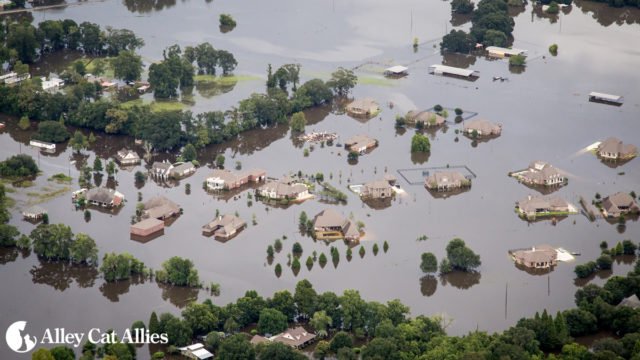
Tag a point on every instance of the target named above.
point(544, 114)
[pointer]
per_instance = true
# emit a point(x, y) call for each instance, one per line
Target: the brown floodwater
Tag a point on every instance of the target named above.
point(543, 109)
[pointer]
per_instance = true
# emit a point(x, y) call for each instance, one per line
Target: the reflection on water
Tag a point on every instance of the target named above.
point(180, 296)
point(146, 6)
point(461, 279)
point(8, 254)
point(209, 89)
point(428, 285)
point(458, 60)
point(113, 290)
point(61, 274)
point(607, 15)
point(534, 271)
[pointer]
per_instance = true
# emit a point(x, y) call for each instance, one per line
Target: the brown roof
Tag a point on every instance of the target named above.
point(483, 126)
point(365, 104)
point(533, 202)
point(425, 117)
point(147, 224)
point(360, 141)
point(376, 184)
point(540, 170)
point(445, 178)
point(284, 188)
point(615, 146)
point(228, 222)
point(294, 337)
point(257, 339)
point(540, 254)
point(160, 206)
point(618, 200)
point(389, 177)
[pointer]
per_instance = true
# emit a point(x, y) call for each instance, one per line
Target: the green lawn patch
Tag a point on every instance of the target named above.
point(60, 178)
point(367, 80)
point(225, 80)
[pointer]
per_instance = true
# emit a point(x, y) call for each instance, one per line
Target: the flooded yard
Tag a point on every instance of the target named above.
point(544, 112)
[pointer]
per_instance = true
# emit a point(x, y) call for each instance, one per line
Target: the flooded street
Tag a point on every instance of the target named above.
point(544, 112)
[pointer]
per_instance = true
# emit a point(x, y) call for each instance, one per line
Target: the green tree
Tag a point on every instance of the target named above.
point(321, 350)
point(200, 318)
point(97, 165)
point(127, 66)
point(78, 142)
point(163, 81)
point(154, 325)
point(20, 165)
point(320, 321)
point(212, 341)
point(24, 122)
point(180, 272)
point(429, 263)
point(342, 81)
point(494, 38)
point(553, 8)
point(236, 347)
point(461, 257)
point(189, 152)
point(518, 60)
point(272, 321)
point(302, 220)
point(297, 248)
point(340, 340)
point(227, 20)
point(420, 143)
point(604, 262)
point(42, 354)
point(84, 250)
point(283, 302)
point(140, 177)
point(353, 155)
point(629, 248)
point(51, 131)
point(220, 160)
point(22, 39)
point(457, 41)
point(462, 6)
point(298, 122)
point(445, 266)
point(305, 298)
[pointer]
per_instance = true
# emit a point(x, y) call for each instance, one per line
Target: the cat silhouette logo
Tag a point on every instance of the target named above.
point(17, 341)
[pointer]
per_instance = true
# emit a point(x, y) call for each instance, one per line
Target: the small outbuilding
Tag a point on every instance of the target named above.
point(363, 107)
point(397, 71)
point(127, 157)
point(497, 51)
point(437, 69)
point(606, 98)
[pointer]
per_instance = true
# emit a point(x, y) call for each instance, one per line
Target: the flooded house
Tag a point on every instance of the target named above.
point(392, 180)
point(160, 208)
point(361, 143)
point(224, 179)
point(446, 180)
point(181, 169)
point(284, 188)
point(534, 205)
point(482, 127)
point(444, 70)
point(427, 118)
point(497, 51)
point(363, 107)
point(631, 301)
point(51, 84)
point(161, 170)
point(328, 224)
point(147, 227)
point(619, 204)
point(396, 71)
point(34, 213)
point(540, 173)
point(195, 352)
point(297, 337)
point(613, 149)
point(378, 189)
point(104, 197)
point(127, 157)
point(541, 257)
point(224, 226)
point(606, 98)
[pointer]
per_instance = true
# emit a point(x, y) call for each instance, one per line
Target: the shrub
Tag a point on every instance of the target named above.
point(420, 143)
point(227, 20)
point(604, 262)
point(437, 108)
point(553, 49)
point(518, 60)
point(458, 111)
point(553, 8)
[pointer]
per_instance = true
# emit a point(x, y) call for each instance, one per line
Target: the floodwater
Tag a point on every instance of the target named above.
point(543, 109)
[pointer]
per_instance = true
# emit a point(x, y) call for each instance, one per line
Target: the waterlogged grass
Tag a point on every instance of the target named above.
point(225, 80)
point(366, 80)
point(44, 196)
point(157, 106)
point(60, 178)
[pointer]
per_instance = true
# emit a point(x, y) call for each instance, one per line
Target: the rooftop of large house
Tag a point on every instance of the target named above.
point(619, 200)
point(483, 127)
point(331, 219)
point(540, 254)
point(35, 210)
point(294, 337)
point(227, 176)
point(360, 141)
point(104, 195)
point(182, 167)
point(426, 117)
point(396, 70)
point(284, 187)
point(161, 165)
point(147, 224)
point(445, 178)
point(540, 170)
point(364, 106)
point(160, 207)
point(615, 147)
point(531, 203)
point(632, 301)
point(376, 187)
point(127, 155)
point(228, 222)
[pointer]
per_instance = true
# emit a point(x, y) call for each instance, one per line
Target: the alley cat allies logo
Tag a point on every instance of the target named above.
point(18, 339)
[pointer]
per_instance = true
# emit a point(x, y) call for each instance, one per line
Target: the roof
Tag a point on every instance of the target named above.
point(542, 253)
point(164, 165)
point(37, 210)
point(444, 69)
point(512, 51)
point(257, 339)
point(225, 175)
point(389, 177)
point(182, 167)
point(160, 206)
point(615, 146)
point(202, 354)
point(330, 219)
point(294, 337)
point(365, 103)
point(541, 170)
point(127, 153)
point(284, 187)
point(631, 301)
point(147, 224)
point(425, 117)
point(605, 96)
point(377, 184)
point(227, 221)
point(533, 202)
point(101, 194)
point(360, 141)
point(445, 178)
point(482, 125)
point(254, 172)
point(397, 69)
point(618, 199)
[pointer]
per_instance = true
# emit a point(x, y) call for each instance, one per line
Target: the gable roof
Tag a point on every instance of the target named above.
point(483, 126)
point(294, 337)
point(540, 254)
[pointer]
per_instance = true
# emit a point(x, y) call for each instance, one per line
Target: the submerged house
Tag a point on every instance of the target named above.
point(397, 71)
point(619, 204)
point(444, 70)
point(541, 257)
point(127, 157)
point(224, 179)
point(34, 213)
point(330, 224)
point(297, 338)
point(427, 118)
point(180, 169)
point(363, 107)
point(51, 84)
point(482, 127)
point(534, 205)
point(497, 51)
point(224, 226)
point(104, 197)
point(161, 170)
point(446, 180)
point(147, 227)
point(285, 188)
point(614, 149)
point(160, 208)
point(541, 173)
point(378, 189)
point(360, 143)
point(606, 98)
